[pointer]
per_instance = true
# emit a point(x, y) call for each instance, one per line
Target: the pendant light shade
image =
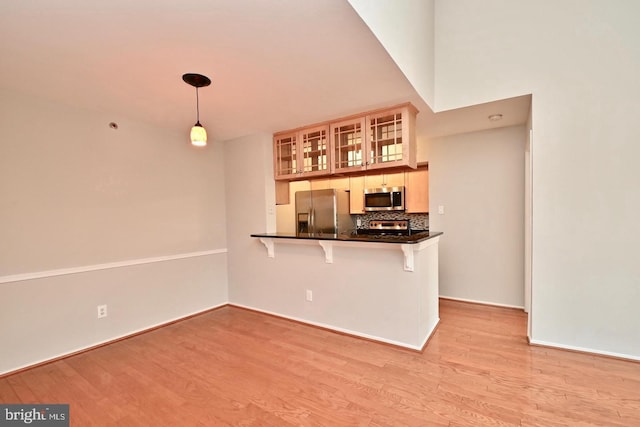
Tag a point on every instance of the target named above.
point(198, 135)
point(198, 132)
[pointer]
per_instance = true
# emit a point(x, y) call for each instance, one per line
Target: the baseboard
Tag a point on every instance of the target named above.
point(430, 334)
point(110, 341)
point(335, 329)
point(472, 301)
point(627, 357)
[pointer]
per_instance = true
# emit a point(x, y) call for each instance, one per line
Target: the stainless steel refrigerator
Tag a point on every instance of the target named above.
point(323, 212)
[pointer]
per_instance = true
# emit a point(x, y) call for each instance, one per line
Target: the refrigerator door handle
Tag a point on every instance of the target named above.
point(312, 221)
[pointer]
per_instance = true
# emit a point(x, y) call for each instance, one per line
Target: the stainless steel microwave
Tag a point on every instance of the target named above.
point(384, 199)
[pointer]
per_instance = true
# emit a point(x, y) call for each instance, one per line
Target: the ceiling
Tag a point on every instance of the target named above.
point(274, 65)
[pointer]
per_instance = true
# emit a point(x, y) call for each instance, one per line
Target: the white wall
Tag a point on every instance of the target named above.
point(479, 180)
point(44, 318)
point(133, 218)
point(580, 59)
point(250, 207)
point(406, 30)
point(74, 190)
point(365, 291)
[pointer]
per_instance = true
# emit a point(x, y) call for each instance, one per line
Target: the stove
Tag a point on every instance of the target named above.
point(388, 230)
point(391, 228)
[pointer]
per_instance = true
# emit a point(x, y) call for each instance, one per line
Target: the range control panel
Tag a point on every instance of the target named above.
point(389, 225)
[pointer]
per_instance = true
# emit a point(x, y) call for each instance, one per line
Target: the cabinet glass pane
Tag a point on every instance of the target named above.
point(286, 155)
point(386, 138)
point(348, 145)
point(314, 151)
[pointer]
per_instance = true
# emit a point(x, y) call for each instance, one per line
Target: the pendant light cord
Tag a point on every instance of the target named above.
point(197, 107)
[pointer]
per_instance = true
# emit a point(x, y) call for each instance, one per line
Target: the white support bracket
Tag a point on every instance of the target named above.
point(327, 247)
point(408, 256)
point(268, 243)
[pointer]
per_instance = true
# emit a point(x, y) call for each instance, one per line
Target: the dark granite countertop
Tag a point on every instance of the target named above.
point(415, 237)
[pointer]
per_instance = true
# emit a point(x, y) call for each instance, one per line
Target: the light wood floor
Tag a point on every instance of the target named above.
point(236, 367)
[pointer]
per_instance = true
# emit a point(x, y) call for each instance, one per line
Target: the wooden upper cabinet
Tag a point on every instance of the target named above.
point(340, 183)
point(391, 138)
point(379, 180)
point(320, 184)
point(417, 191)
point(285, 155)
point(301, 154)
point(314, 151)
point(379, 139)
point(349, 148)
point(282, 192)
point(333, 182)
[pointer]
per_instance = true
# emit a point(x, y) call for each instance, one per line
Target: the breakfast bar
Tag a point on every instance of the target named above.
point(408, 244)
point(383, 288)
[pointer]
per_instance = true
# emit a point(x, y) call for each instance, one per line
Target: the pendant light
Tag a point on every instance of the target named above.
point(198, 132)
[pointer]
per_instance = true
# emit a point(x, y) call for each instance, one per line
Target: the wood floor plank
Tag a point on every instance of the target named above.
point(7, 393)
point(236, 367)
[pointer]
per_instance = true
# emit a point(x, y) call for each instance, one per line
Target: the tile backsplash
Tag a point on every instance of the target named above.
point(416, 221)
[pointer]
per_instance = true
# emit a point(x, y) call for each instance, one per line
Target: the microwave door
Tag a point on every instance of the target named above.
point(377, 201)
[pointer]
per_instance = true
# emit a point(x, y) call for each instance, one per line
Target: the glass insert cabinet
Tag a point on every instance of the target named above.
point(374, 140)
point(302, 153)
point(285, 155)
point(348, 144)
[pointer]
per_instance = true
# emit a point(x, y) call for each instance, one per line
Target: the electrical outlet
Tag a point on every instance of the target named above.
point(102, 311)
point(441, 210)
point(309, 295)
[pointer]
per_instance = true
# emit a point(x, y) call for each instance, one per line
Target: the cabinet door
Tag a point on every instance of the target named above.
point(373, 181)
point(313, 144)
point(385, 180)
point(282, 192)
point(417, 191)
point(356, 194)
point(393, 179)
point(324, 183)
point(340, 183)
point(321, 184)
point(348, 142)
point(390, 138)
point(285, 152)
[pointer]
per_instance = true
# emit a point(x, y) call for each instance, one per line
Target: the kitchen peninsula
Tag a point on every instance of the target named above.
point(383, 288)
